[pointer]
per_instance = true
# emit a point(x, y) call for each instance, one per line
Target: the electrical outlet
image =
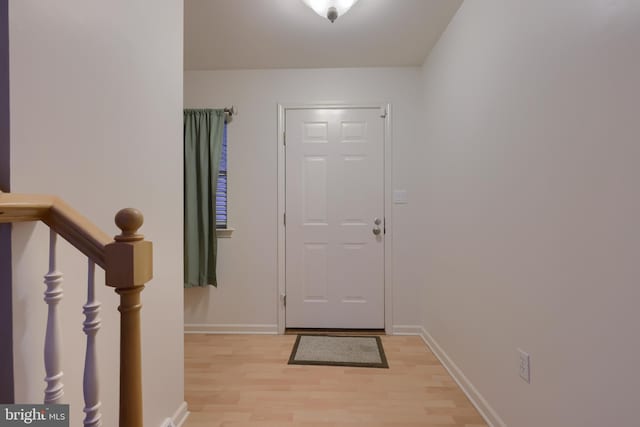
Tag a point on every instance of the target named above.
point(525, 365)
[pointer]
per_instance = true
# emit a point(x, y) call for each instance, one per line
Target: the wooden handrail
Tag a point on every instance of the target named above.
point(60, 217)
point(127, 261)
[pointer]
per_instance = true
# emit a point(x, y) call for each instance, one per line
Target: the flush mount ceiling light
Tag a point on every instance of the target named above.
point(330, 9)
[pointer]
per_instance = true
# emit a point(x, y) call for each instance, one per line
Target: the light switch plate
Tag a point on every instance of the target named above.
point(400, 197)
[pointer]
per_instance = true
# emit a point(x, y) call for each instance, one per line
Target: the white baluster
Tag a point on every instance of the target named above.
point(52, 296)
point(90, 383)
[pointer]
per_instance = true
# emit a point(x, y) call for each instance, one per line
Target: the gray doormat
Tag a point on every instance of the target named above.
point(330, 350)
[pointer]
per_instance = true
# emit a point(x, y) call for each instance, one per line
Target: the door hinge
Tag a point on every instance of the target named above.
point(384, 225)
point(284, 218)
point(284, 139)
point(383, 112)
point(284, 300)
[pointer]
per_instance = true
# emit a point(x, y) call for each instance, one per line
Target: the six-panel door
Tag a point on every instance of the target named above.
point(334, 193)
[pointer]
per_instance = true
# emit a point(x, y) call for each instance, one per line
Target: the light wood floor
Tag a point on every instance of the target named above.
point(244, 380)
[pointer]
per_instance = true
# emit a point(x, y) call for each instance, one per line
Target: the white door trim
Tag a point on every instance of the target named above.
point(388, 212)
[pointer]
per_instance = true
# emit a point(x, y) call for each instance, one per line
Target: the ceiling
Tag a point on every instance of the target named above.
point(249, 34)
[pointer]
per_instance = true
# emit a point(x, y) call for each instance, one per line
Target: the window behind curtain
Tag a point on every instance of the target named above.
point(221, 190)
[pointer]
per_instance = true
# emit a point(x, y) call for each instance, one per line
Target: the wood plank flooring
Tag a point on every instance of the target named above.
point(244, 381)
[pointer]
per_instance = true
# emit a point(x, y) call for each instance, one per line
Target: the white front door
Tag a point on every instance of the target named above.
point(334, 218)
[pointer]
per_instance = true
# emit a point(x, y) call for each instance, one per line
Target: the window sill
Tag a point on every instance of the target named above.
point(224, 233)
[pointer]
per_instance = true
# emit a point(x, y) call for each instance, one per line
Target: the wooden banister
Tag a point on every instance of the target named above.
point(127, 261)
point(60, 217)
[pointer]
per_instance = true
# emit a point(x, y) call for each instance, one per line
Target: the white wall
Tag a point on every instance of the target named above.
point(96, 100)
point(247, 272)
point(530, 206)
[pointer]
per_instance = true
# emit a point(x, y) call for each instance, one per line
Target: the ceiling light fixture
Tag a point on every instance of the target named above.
point(330, 9)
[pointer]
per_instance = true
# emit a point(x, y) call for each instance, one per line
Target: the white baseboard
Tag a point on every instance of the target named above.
point(230, 328)
point(483, 407)
point(178, 418)
point(406, 329)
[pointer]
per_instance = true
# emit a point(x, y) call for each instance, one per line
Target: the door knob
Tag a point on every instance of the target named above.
point(376, 230)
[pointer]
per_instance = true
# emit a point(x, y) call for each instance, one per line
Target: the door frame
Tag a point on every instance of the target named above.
point(385, 108)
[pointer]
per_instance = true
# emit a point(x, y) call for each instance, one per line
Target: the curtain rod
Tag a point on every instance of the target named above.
point(229, 113)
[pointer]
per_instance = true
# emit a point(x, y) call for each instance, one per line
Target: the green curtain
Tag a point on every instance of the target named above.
point(203, 130)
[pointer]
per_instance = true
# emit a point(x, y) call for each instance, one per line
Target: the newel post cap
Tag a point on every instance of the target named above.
point(129, 220)
point(129, 259)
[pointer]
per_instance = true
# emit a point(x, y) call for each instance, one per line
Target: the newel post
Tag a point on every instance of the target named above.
point(128, 267)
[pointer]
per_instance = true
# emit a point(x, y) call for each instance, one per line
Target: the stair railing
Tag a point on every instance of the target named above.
point(127, 261)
